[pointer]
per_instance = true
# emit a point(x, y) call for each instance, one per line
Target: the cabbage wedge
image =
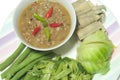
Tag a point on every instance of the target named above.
point(94, 53)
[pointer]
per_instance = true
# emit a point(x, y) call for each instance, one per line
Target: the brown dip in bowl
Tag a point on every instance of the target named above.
point(45, 24)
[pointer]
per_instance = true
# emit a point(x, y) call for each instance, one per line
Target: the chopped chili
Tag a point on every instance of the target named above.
point(49, 13)
point(54, 25)
point(44, 22)
point(36, 30)
point(39, 17)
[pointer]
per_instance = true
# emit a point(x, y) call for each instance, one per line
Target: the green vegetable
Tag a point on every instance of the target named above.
point(47, 32)
point(17, 62)
point(28, 67)
point(29, 77)
point(9, 60)
point(62, 74)
point(65, 78)
point(94, 53)
point(31, 57)
point(58, 69)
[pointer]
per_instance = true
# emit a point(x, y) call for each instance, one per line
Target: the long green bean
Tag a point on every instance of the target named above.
point(28, 67)
point(31, 57)
point(18, 61)
point(29, 77)
point(10, 59)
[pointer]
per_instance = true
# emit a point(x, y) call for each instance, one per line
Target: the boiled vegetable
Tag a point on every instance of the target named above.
point(9, 60)
point(28, 67)
point(58, 69)
point(94, 53)
point(83, 7)
point(88, 30)
point(23, 55)
point(87, 19)
point(90, 17)
point(30, 58)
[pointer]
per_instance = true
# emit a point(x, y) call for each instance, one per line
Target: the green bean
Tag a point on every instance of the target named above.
point(28, 67)
point(10, 59)
point(31, 57)
point(18, 61)
point(29, 77)
point(23, 56)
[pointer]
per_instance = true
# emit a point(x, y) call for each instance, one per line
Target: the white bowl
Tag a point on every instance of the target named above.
point(65, 3)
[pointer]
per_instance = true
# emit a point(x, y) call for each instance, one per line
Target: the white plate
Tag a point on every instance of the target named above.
point(9, 40)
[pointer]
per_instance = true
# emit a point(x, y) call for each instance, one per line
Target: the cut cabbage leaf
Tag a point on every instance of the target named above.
point(94, 53)
point(97, 36)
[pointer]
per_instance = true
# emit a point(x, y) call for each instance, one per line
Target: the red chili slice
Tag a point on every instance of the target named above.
point(49, 13)
point(36, 30)
point(54, 25)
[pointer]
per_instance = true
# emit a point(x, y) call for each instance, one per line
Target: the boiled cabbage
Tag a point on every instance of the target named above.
point(94, 53)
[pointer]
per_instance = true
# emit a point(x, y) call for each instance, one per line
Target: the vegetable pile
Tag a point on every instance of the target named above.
point(58, 69)
point(95, 50)
point(90, 17)
point(28, 64)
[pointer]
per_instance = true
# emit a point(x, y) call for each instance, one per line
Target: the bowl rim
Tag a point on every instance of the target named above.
point(72, 16)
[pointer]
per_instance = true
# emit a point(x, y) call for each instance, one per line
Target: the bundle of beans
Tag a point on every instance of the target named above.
point(90, 17)
point(21, 61)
